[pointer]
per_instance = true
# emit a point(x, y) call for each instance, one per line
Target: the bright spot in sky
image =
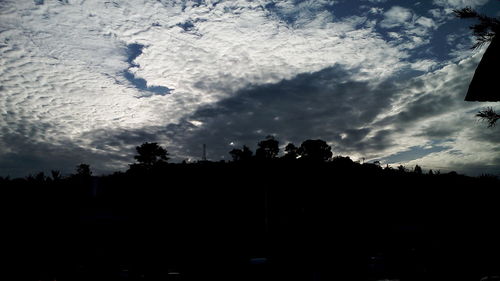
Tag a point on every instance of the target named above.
point(196, 123)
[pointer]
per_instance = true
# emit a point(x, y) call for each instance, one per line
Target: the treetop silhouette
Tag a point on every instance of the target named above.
point(315, 150)
point(268, 149)
point(291, 152)
point(244, 154)
point(485, 30)
point(83, 170)
point(150, 155)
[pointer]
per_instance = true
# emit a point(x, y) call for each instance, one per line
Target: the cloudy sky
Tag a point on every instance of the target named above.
point(88, 80)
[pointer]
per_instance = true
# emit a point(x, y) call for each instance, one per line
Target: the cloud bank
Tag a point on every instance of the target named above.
point(235, 71)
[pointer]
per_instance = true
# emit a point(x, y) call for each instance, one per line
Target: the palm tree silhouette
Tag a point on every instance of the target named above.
point(484, 85)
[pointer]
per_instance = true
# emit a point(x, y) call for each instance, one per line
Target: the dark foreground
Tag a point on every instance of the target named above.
point(212, 221)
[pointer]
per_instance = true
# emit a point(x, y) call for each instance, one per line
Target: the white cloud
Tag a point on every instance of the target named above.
point(460, 3)
point(462, 155)
point(394, 35)
point(446, 7)
point(301, 12)
point(430, 109)
point(62, 64)
point(61, 73)
point(425, 22)
point(396, 16)
point(424, 65)
point(437, 13)
point(410, 22)
point(414, 30)
point(375, 10)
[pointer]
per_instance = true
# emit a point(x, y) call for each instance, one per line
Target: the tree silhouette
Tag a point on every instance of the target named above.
point(83, 170)
point(315, 150)
point(489, 116)
point(484, 84)
point(243, 154)
point(485, 30)
point(341, 161)
point(268, 149)
point(291, 152)
point(402, 168)
point(150, 155)
point(40, 177)
point(56, 175)
point(417, 170)
point(272, 210)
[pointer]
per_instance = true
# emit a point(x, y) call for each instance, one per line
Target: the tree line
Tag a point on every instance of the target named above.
point(150, 156)
point(306, 212)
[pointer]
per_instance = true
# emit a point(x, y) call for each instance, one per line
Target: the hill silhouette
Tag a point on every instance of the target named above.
point(303, 216)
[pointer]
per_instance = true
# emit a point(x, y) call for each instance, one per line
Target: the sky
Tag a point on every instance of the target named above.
point(86, 81)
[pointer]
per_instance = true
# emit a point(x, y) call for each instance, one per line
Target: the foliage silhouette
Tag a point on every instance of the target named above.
point(325, 219)
point(291, 152)
point(417, 170)
point(83, 170)
point(484, 84)
point(56, 175)
point(485, 30)
point(40, 177)
point(149, 156)
point(315, 150)
point(489, 115)
point(402, 168)
point(241, 155)
point(268, 149)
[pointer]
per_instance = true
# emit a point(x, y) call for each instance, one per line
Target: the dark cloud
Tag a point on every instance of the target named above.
point(327, 104)
point(124, 141)
point(491, 168)
point(482, 134)
point(435, 96)
point(439, 131)
point(422, 108)
point(75, 80)
point(27, 156)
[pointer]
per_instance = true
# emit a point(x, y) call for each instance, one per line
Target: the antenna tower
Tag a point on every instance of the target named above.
point(204, 157)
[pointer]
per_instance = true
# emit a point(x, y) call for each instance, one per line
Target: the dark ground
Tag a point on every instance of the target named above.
point(253, 222)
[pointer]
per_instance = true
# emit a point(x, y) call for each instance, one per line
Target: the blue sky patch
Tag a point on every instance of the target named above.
point(133, 51)
point(415, 152)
